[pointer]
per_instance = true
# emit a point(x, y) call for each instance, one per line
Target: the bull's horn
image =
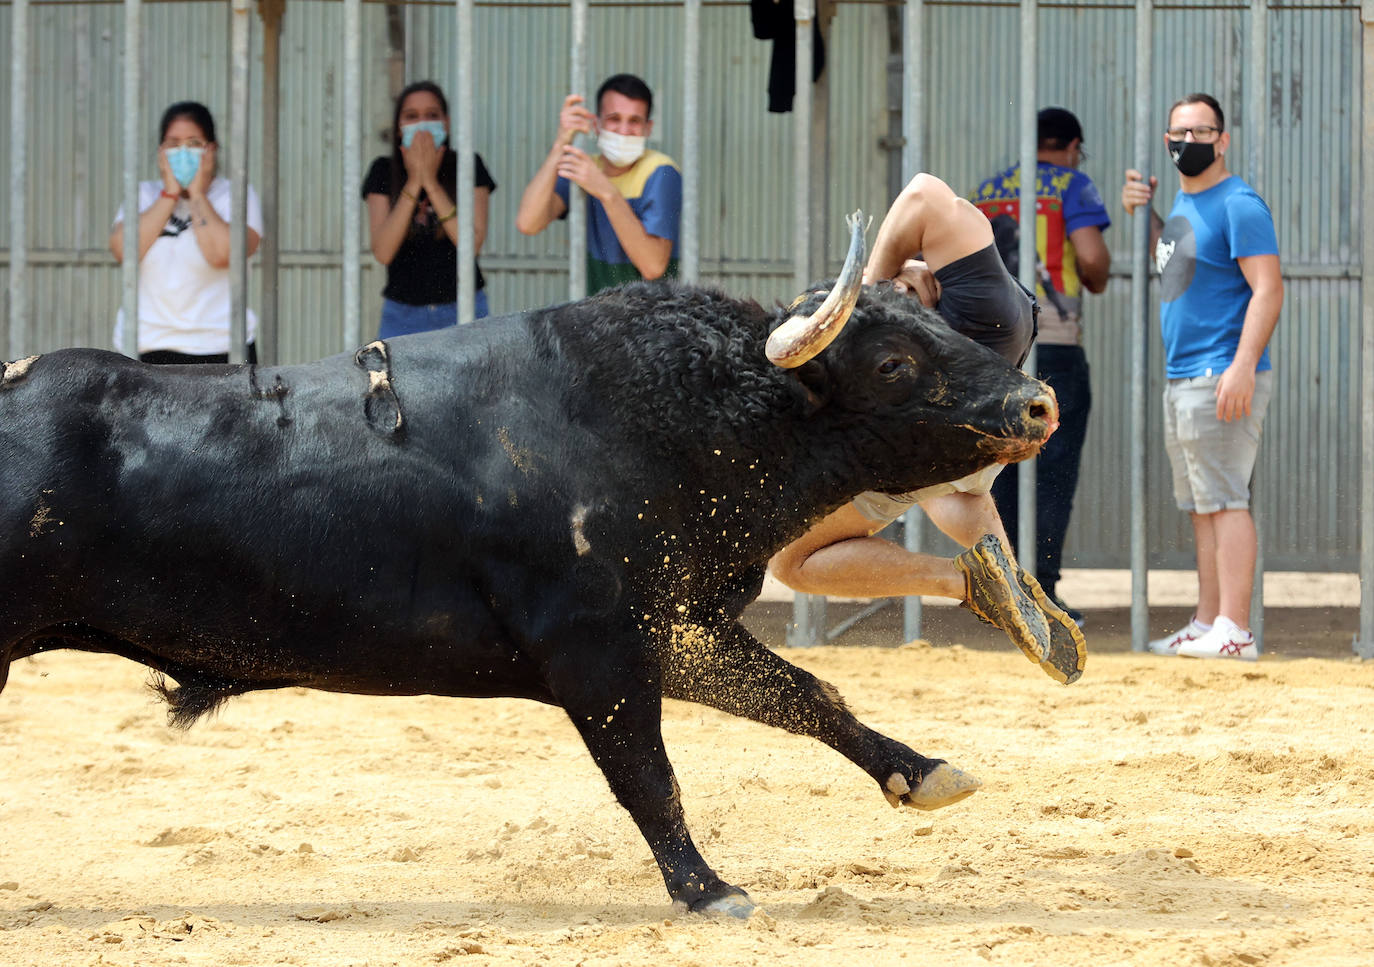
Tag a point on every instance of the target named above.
point(801, 337)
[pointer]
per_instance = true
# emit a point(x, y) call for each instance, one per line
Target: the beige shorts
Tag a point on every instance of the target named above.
point(1212, 459)
point(888, 507)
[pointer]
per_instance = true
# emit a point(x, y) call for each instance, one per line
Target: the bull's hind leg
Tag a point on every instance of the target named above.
point(729, 669)
point(619, 715)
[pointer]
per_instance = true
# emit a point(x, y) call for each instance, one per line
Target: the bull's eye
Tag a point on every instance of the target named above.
point(890, 366)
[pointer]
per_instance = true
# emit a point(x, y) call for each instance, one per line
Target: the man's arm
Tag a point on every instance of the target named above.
point(1236, 388)
point(1136, 192)
point(540, 204)
point(1091, 255)
point(649, 253)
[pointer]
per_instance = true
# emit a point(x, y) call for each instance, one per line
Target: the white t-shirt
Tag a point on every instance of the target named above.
point(183, 301)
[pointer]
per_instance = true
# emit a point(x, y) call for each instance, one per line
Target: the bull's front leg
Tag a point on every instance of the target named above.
point(617, 707)
point(729, 669)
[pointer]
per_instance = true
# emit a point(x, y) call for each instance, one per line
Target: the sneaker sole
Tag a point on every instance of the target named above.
point(1068, 652)
point(1000, 601)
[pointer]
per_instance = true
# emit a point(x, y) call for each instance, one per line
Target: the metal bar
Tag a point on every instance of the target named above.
point(467, 177)
point(1026, 506)
point(1257, 134)
point(240, 26)
point(1364, 645)
point(867, 611)
point(19, 178)
point(133, 76)
point(689, 263)
point(269, 345)
point(808, 610)
point(1140, 333)
point(913, 158)
point(352, 173)
point(577, 203)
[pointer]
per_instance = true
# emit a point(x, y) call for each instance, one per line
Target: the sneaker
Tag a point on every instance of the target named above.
point(1168, 645)
point(997, 591)
point(1225, 640)
point(1068, 648)
point(1073, 613)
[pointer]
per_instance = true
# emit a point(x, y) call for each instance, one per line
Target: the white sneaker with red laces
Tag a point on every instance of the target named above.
point(1169, 644)
point(1225, 640)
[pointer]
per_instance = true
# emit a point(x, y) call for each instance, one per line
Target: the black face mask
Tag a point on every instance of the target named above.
point(1191, 158)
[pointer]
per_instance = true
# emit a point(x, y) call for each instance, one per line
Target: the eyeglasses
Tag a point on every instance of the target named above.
point(1083, 153)
point(1200, 132)
point(188, 143)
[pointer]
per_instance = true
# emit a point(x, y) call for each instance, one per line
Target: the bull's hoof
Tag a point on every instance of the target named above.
point(737, 905)
point(733, 904)
point(942, 786)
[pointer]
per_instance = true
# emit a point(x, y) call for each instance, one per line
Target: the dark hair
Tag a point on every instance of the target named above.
point(1207, 99)
point(193, 111)
point(629, 86)
point(448, 165)
point(1056, 128)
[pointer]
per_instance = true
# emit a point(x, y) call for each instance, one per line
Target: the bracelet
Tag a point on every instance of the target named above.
point(167, 194)
point(449, 215)
point(410, 196)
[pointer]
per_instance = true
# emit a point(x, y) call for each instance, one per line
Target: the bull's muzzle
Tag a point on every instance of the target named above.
point(801, 337)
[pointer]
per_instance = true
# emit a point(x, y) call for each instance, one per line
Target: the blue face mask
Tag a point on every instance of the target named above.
point(184, 162)
point(435, 129)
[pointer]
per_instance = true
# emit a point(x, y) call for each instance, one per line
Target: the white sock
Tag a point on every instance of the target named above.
point(1231, 629)
point(1201, 626)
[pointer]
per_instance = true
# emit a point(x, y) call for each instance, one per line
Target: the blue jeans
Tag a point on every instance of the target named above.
point(1065, 368)
point(399, 319)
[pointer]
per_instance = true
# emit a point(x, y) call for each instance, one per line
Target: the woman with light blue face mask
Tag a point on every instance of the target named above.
point(413, 217)
point(183, 247)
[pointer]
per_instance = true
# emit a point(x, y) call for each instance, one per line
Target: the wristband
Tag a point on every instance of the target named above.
point(410, 196)
point(449, 215)
point(167, 194)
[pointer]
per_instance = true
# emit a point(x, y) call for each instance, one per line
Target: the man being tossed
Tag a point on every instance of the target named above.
point(961, 275)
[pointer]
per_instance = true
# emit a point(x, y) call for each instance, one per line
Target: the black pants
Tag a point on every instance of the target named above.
point(166, 357)
point(1065, 368)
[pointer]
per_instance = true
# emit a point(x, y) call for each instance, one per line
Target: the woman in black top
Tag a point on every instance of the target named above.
point(412, 215)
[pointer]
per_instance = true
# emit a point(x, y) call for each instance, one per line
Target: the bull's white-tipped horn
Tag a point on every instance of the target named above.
point(801, 337)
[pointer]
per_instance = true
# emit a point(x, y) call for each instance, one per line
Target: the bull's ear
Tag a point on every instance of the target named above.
point(814, 383)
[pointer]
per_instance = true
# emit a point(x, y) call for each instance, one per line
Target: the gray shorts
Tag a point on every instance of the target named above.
point(888, 507)
point(1212, 459)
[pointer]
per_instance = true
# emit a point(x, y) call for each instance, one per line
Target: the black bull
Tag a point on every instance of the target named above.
point(571, 505)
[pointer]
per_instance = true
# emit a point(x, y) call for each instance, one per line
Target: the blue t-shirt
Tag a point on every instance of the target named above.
point(1203, 292)
point(653, 187)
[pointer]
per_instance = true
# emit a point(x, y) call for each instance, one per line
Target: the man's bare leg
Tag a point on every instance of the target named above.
point(839, 556)
point(930, 219)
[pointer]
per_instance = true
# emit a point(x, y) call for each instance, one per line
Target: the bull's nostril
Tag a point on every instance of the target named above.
point(1043, 408)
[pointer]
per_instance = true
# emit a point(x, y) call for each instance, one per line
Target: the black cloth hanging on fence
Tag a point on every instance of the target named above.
point(773, 20)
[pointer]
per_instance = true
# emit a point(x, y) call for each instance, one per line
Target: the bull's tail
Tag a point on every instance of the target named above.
point(187, 703)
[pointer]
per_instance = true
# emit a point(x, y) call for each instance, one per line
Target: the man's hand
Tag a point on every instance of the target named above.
point(1135, 192)
point(574, 118)
point(916, 278)
point(1235, 390)
point(579, 168)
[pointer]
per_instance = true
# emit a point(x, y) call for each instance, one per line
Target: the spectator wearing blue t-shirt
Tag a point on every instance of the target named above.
point(1071, 257)
point(634, 195)
point(1220, 295)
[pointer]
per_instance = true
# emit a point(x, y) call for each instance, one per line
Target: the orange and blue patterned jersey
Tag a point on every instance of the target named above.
point(1065, 201)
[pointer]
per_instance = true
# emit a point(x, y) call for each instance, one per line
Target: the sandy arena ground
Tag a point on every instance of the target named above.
point(1160, 811)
